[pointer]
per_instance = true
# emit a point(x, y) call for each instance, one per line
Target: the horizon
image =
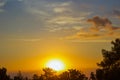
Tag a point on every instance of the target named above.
point(30, 74)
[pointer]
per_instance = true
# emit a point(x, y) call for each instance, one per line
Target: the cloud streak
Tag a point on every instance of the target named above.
point(26, 40)
point(2, 3)
point(57, 15)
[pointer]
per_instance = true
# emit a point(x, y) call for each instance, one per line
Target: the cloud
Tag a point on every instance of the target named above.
point(20, 0)
point(116, 13)
point(62, 20)
point(47, 7)
point(101, 24)
point(2, 3)
point(59, 4)
point(101, 28)
point(36, 7)
point(26, 40)
point(65, 22)
point(38, 12)
point(83, 36)
point(66, 17)
point(62, 7)
point(60, 10)
point(57, 15)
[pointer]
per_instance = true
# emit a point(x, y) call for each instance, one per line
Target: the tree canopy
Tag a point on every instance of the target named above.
point(110, 65)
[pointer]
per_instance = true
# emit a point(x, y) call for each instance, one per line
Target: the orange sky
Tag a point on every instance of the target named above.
point(29, 56)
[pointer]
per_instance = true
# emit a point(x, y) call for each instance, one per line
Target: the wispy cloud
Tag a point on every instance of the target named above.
point(62, 20)
point(37, 8)
point(65, 22)
point(62, 7)
point(60, 10)
point(2, 3)
point(57, 15)
point(38, 12)
point(26, 40)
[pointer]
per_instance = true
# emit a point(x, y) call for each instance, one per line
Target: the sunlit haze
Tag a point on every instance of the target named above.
point(55, 65)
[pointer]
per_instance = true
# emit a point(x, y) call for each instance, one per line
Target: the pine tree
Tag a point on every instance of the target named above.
point(110, 65)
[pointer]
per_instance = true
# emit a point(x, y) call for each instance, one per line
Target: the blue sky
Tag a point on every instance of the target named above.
point(19, 16)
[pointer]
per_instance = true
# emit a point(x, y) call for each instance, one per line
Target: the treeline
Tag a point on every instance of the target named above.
point(49, 74)
point(109, 69)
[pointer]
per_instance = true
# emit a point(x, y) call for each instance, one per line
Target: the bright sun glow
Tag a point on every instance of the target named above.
point(56, 65)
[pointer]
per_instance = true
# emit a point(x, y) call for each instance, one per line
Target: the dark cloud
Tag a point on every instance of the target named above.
point(116, 13)
point(98, 21)
point(89, 35)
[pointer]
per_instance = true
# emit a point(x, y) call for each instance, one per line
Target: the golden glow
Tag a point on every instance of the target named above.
point(56, 65)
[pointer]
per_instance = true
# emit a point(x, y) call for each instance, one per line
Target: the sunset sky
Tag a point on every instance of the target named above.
point(32, 32)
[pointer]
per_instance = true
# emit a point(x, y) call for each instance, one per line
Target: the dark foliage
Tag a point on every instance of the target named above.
point(49, 74)
point(110, 65)
point(71, 74)
point(3, 74)
point(92, 76)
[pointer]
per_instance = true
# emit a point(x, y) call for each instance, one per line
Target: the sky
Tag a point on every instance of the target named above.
point(75, 31)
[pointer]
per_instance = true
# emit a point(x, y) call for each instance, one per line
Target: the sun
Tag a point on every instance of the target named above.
point(55, 65)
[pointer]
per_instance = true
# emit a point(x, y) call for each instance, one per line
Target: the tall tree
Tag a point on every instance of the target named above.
point(110, 65)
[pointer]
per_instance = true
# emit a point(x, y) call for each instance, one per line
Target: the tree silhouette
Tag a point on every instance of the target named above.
point(35, 77)
point(41, 77)
point(92, 76)
point(49, 74)
point(110, 65)
point(18, 76)
point(72, 74)
point(64, 76)
point(99, 74)
point(3, 74)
